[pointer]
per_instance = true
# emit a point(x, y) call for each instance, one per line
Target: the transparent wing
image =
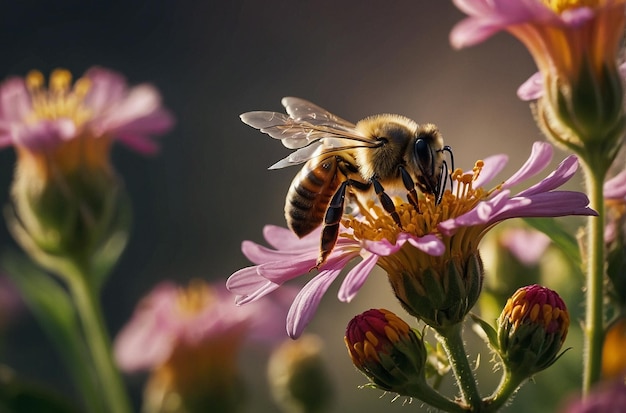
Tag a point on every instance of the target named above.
point(303, 110)
point(306, 124)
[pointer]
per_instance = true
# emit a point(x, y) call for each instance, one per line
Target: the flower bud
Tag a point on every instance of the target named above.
point(386, 350)
point(443, 294)
point(297, 375)
point(66, 216)
point(585, 110)
point(531, 330)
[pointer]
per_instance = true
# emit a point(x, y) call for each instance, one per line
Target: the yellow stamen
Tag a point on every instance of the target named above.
point(196, 297)
point(59, 100)
point(560, 6)
point(375, 224)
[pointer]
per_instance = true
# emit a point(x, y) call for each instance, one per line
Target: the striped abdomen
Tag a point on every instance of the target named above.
point(310, 193)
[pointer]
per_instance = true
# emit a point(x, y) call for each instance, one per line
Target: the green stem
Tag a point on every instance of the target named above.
point(452, 342)
point(89, 310)
point(509, 384)
point(594, 317)
point(422, 391)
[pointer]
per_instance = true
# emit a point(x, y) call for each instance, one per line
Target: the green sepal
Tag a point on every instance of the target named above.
point(490, 332)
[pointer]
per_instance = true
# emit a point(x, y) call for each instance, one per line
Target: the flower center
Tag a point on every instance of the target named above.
point(374, 224)
point(560, 6)
point(59, 99)
point(196, 297)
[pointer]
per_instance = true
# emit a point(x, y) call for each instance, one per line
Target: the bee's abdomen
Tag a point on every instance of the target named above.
point(309, 195)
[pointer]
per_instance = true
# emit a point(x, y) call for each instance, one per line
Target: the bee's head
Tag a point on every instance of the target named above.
point(428, 157)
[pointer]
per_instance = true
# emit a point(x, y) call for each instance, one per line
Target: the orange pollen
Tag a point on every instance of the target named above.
point(375, 224)
point(60, 99)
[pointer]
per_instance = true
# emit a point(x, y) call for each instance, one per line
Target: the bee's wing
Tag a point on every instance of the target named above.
point(305, 123)
point(303, 110)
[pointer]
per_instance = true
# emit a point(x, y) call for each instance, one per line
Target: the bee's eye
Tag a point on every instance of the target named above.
point(423, 154)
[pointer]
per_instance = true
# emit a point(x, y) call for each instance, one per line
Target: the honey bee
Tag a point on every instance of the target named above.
point(380, 151)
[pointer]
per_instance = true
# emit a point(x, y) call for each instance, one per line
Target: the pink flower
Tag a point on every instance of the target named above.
point(575, 45)
point(99, 105)
point(190, 339)
point(563, 34)
point(171, 317)
point(429, 241)
point(528, 246)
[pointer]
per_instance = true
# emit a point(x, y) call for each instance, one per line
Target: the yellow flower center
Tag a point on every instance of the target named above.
point(560, 6)
point(375, 224)
point(195, 298)
point(60, 99)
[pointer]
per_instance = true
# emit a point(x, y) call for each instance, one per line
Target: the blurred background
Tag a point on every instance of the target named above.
point(209, 188)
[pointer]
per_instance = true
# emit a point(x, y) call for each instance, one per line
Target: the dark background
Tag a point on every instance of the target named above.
point(209, 189)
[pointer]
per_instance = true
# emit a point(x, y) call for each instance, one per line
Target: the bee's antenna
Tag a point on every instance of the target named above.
point(449, 150)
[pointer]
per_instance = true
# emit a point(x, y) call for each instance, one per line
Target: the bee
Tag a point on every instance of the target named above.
point(340, 158)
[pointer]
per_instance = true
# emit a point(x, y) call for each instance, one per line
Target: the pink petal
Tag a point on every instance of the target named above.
point(480, 215)
point(493, 166)
point(615, 188)
point(282, 271)
point(540, 157)
point(107, 89)
point(430, 244)
point(531, 89)
point(356, 277)
point(308, 299)
point(383, 247)
point(15, 102)
point(283, 239)
point(247, 281)
point(527, 246)
point(549, 204)
point(563, 173)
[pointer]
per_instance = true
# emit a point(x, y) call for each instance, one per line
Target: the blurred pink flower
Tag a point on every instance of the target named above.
point(190, 339)
point(170, 317)
point(559, 35)
point(526, 245)
point(99, 105)
point(439, 233)
point(607, 397)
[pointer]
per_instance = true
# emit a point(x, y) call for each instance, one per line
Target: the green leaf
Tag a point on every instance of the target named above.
point(563, 239)
point(107, 256)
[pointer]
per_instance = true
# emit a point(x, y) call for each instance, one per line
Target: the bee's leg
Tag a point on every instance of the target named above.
point(410, 187)
point(332, 219)
point(385, 201)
